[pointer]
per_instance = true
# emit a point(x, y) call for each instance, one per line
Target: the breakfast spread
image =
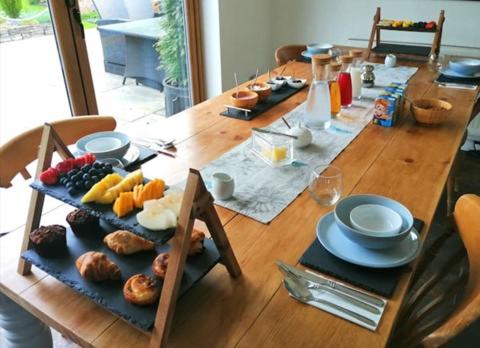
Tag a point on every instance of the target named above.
point(407, 24)
point(126, 243)
point(96, 267)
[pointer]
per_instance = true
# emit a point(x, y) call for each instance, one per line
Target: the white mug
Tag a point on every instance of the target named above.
point(223, 186)
point(390, 60)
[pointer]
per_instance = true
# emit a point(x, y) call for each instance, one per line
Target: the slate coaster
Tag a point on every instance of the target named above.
point(275, 98)
point(109, 294)
point(380, 281)
point(128, 222)
point(465, 81)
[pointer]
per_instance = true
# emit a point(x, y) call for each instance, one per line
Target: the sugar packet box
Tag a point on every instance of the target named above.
point(384, 110)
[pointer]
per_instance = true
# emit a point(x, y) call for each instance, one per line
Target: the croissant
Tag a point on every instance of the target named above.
point(141, 290)
point(95, 266)
point(196, 242)
point(126, 243)
point(160, 264)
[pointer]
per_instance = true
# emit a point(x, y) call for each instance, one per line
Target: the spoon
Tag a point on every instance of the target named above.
point(236, 83)
point(260, 130)
point(285, 121)
point(305, 296)
point(256, 76)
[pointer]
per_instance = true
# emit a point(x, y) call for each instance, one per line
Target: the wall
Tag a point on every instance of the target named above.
point(338, 21)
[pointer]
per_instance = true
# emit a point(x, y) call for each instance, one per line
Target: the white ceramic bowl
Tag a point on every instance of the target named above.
point(296, 83)
point(374, 218)
point(318, 48)
point(105, 144)
point(281, 80)
point(274, 85)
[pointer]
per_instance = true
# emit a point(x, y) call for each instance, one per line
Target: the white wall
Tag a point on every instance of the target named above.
point(338, 21)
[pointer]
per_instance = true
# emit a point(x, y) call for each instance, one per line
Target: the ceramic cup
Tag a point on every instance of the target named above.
point(223, 186)
point(390, 60)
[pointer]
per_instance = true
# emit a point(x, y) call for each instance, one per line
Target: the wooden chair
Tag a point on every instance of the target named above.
point(414, 326)
point(23, 149)
point(287, 53)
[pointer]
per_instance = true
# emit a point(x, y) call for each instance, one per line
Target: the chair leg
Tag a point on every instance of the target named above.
point(21, 329)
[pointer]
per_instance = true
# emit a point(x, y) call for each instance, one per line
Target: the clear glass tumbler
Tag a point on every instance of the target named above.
point(325, 184)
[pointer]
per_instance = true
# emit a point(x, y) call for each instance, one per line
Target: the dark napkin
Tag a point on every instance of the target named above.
point(275, 98)
point(380, 281)
point(109, 294)
point(464, 81)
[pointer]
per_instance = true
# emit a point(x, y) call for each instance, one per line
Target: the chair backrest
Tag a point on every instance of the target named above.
point(287, 53)
point(467, 219)
point(20, 151)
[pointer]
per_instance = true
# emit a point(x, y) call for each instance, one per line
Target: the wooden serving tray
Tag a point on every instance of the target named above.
point(105, 211)
point(273, 99)
point(109, 294)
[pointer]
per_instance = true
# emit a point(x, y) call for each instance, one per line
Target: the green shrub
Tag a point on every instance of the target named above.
point(172, 46)
point(11, 7)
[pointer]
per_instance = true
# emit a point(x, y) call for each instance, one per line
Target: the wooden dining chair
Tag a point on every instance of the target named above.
point(287, 53)
point(20, 151)
point(415, 326)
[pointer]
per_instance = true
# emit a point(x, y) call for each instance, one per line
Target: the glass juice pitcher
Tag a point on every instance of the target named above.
point(317, 112)
point(335, 98)
point(345, 81)
point(356, 73)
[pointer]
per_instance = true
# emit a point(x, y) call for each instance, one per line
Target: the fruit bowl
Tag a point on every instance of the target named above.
point(430, 110)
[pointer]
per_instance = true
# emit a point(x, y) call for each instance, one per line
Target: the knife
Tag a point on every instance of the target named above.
point(456, 85)
point(334, 285)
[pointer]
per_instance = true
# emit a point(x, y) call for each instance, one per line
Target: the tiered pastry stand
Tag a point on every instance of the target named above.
point(423, 51)
point(197, 204)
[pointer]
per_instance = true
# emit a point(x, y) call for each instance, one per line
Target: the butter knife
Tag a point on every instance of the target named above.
point(456, 85)
point(349, 291)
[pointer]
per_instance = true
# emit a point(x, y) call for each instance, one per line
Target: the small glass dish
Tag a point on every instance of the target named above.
point(275, 150)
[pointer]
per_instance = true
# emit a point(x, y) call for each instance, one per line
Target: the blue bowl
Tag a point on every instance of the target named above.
point(116, 144)
point(465, 66)
point(318, 48)
point(368, 239)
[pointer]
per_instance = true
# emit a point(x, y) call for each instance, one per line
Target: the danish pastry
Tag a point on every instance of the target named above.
point(160, 264)
point(126, 243)
point(141, 290)
point(95, 266)
point(196, 243)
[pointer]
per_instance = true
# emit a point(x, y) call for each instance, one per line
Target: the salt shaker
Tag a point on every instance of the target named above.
point(368, 77)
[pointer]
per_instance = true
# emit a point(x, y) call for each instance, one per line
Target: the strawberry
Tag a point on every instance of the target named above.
point(66, 165)
point(49, 176)
point(80, 161)
point(90, 157)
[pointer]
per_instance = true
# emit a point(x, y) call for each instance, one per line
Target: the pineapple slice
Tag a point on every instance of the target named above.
point(101, 187)
point(127, 184)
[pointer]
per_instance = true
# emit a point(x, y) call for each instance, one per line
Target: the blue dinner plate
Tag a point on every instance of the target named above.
point(333, 239)
point(451, 73)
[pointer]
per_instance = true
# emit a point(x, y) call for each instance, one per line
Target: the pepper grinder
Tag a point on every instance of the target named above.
point(368, 77)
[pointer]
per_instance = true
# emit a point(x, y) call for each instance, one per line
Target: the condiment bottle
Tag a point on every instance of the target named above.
point(356, 72)
point(345, 81)
point(317, 112)
point(335, 99)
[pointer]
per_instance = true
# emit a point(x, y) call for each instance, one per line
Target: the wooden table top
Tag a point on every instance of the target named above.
point(409, 163)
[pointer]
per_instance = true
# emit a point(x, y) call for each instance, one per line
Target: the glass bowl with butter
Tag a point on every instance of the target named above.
point(275, 150)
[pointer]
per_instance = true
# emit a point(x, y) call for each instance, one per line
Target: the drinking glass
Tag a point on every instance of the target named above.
point(325, 184)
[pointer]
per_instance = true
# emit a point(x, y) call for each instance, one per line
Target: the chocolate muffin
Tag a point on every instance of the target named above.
point(49, 241)
point(82, 223)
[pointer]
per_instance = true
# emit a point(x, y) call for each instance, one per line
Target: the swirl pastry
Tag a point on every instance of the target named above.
point(141, 290)
point(160, 264)
point(95, 266)
point(196, 243)
point(126, 243)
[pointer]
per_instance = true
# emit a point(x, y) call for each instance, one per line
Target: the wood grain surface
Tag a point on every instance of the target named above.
point(409, 163)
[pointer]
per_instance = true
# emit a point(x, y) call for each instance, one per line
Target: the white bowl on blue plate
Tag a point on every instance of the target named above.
point(372, 240)
point(105, 144)
point(465, 66)
point(316, 48)
point(374, 218)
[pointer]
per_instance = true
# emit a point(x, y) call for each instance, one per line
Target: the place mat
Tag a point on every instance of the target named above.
point(109, 294)
point(263, 192)
point(128, 222)
point(380, 281)
point(462, 81)
point(275, 98)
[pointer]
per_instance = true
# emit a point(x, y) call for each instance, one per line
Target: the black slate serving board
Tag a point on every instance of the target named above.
point(467, 81)
point(104, 211)
point(275, 98)
point(380, 281)
point(109, 294)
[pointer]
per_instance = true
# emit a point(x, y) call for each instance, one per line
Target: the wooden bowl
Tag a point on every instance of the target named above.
point(244, 100)
point(430, 110)
point(262, 89)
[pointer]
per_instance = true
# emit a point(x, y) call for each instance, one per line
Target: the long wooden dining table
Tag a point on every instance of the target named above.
point(408, 162)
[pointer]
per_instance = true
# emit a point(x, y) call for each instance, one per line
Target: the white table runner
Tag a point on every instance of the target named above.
point(263, 192)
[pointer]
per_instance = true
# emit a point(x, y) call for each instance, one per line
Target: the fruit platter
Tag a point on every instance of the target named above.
point(407, 25)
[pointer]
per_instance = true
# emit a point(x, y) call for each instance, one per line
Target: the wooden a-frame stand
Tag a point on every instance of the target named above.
point(197, 204)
